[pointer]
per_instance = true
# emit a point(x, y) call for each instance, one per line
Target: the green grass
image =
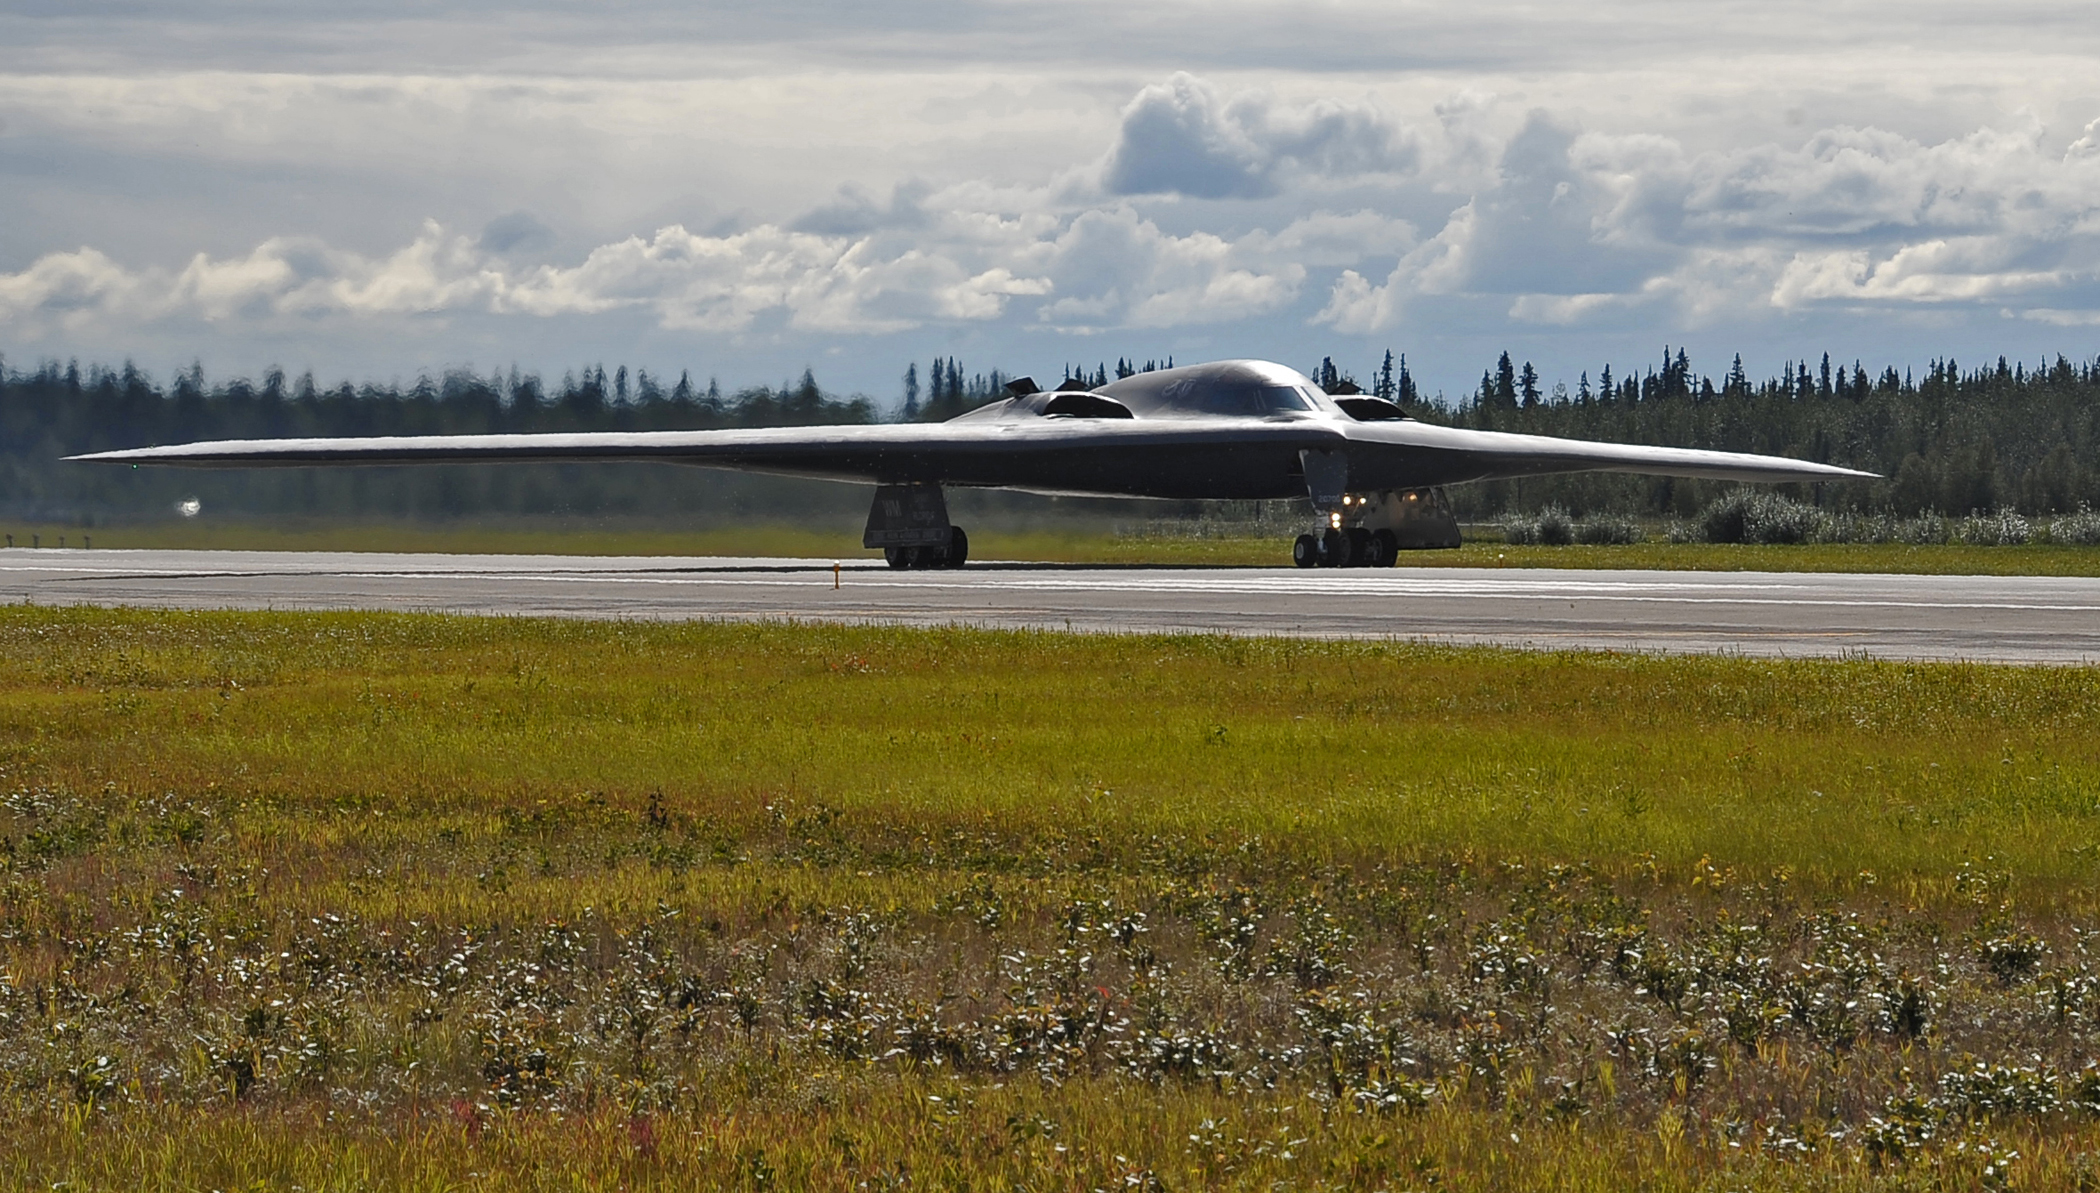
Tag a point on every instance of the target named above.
point(1052, 545)
point(354, 901)
point(1822, 766)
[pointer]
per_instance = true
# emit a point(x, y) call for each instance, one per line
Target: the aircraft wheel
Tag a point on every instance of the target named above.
point(958, 548)
point(1360, 548)
point(1385, 549)
point(1306, 551)
point(898, 557)
point(1334, 549)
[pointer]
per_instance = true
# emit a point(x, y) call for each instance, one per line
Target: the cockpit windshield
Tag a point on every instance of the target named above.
point(1243, 400)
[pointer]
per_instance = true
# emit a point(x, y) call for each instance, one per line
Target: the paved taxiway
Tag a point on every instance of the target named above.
point(2011, 619)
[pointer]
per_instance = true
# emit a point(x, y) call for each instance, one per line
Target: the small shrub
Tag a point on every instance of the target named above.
point(1550, 527)
point(1853, 528)
point(2000, 528)
point(1556, 528)
point(2012, 957)
point(2081, 529)
point(1608, 530)
point(1922, 531)
point(1753, 516)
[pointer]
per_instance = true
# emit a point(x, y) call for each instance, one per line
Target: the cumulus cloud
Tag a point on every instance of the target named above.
point(1110, 268)
point(1187, 137)
point(281, 276)
point(1579, 227)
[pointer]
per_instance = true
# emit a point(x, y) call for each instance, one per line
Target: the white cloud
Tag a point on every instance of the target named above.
point(738, 183)
point(1858, 217)
point(1187, 137)
point(1118, 268)
point(71, 288)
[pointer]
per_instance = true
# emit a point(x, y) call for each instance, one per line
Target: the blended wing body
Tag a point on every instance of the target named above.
point(1231, 430)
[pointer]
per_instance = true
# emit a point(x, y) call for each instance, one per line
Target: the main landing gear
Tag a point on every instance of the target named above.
point(1369, 530)
point(1347, 548)
point(909, 525)
point(953, 555)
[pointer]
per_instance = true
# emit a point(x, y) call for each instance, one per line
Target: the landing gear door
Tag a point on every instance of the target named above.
point(907, 516)
point(1326, 476)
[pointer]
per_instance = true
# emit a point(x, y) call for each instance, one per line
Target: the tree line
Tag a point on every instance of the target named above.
point(57, 410)
point(1951, 440)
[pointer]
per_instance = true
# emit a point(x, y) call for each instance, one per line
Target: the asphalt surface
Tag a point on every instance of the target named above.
point(1984, 618)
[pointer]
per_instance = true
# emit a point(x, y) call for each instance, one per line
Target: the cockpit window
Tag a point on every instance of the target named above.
point(1242, 400)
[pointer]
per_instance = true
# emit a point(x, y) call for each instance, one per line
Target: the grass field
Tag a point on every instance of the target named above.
point(1095, 545)
point(361, 901)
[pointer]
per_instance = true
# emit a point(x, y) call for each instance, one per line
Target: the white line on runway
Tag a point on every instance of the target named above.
point(1483, 587)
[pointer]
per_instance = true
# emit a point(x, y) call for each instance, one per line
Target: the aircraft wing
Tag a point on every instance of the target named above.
point(1226, 458)
point(1463, 455)
point(1166, 457)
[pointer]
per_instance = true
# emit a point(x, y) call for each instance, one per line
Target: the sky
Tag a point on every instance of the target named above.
point(746, 190)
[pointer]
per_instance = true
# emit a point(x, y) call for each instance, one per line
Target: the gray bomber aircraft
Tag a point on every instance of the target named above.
point(1235, 429)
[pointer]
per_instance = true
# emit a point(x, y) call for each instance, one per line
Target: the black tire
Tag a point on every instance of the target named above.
point(1306, 551)
point(958, 548)
point(897, 557)
point(1360, 548)
point(1334, 549)
point(1385, 547)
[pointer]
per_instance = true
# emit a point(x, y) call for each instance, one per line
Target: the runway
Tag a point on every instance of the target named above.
point(1982, 618)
